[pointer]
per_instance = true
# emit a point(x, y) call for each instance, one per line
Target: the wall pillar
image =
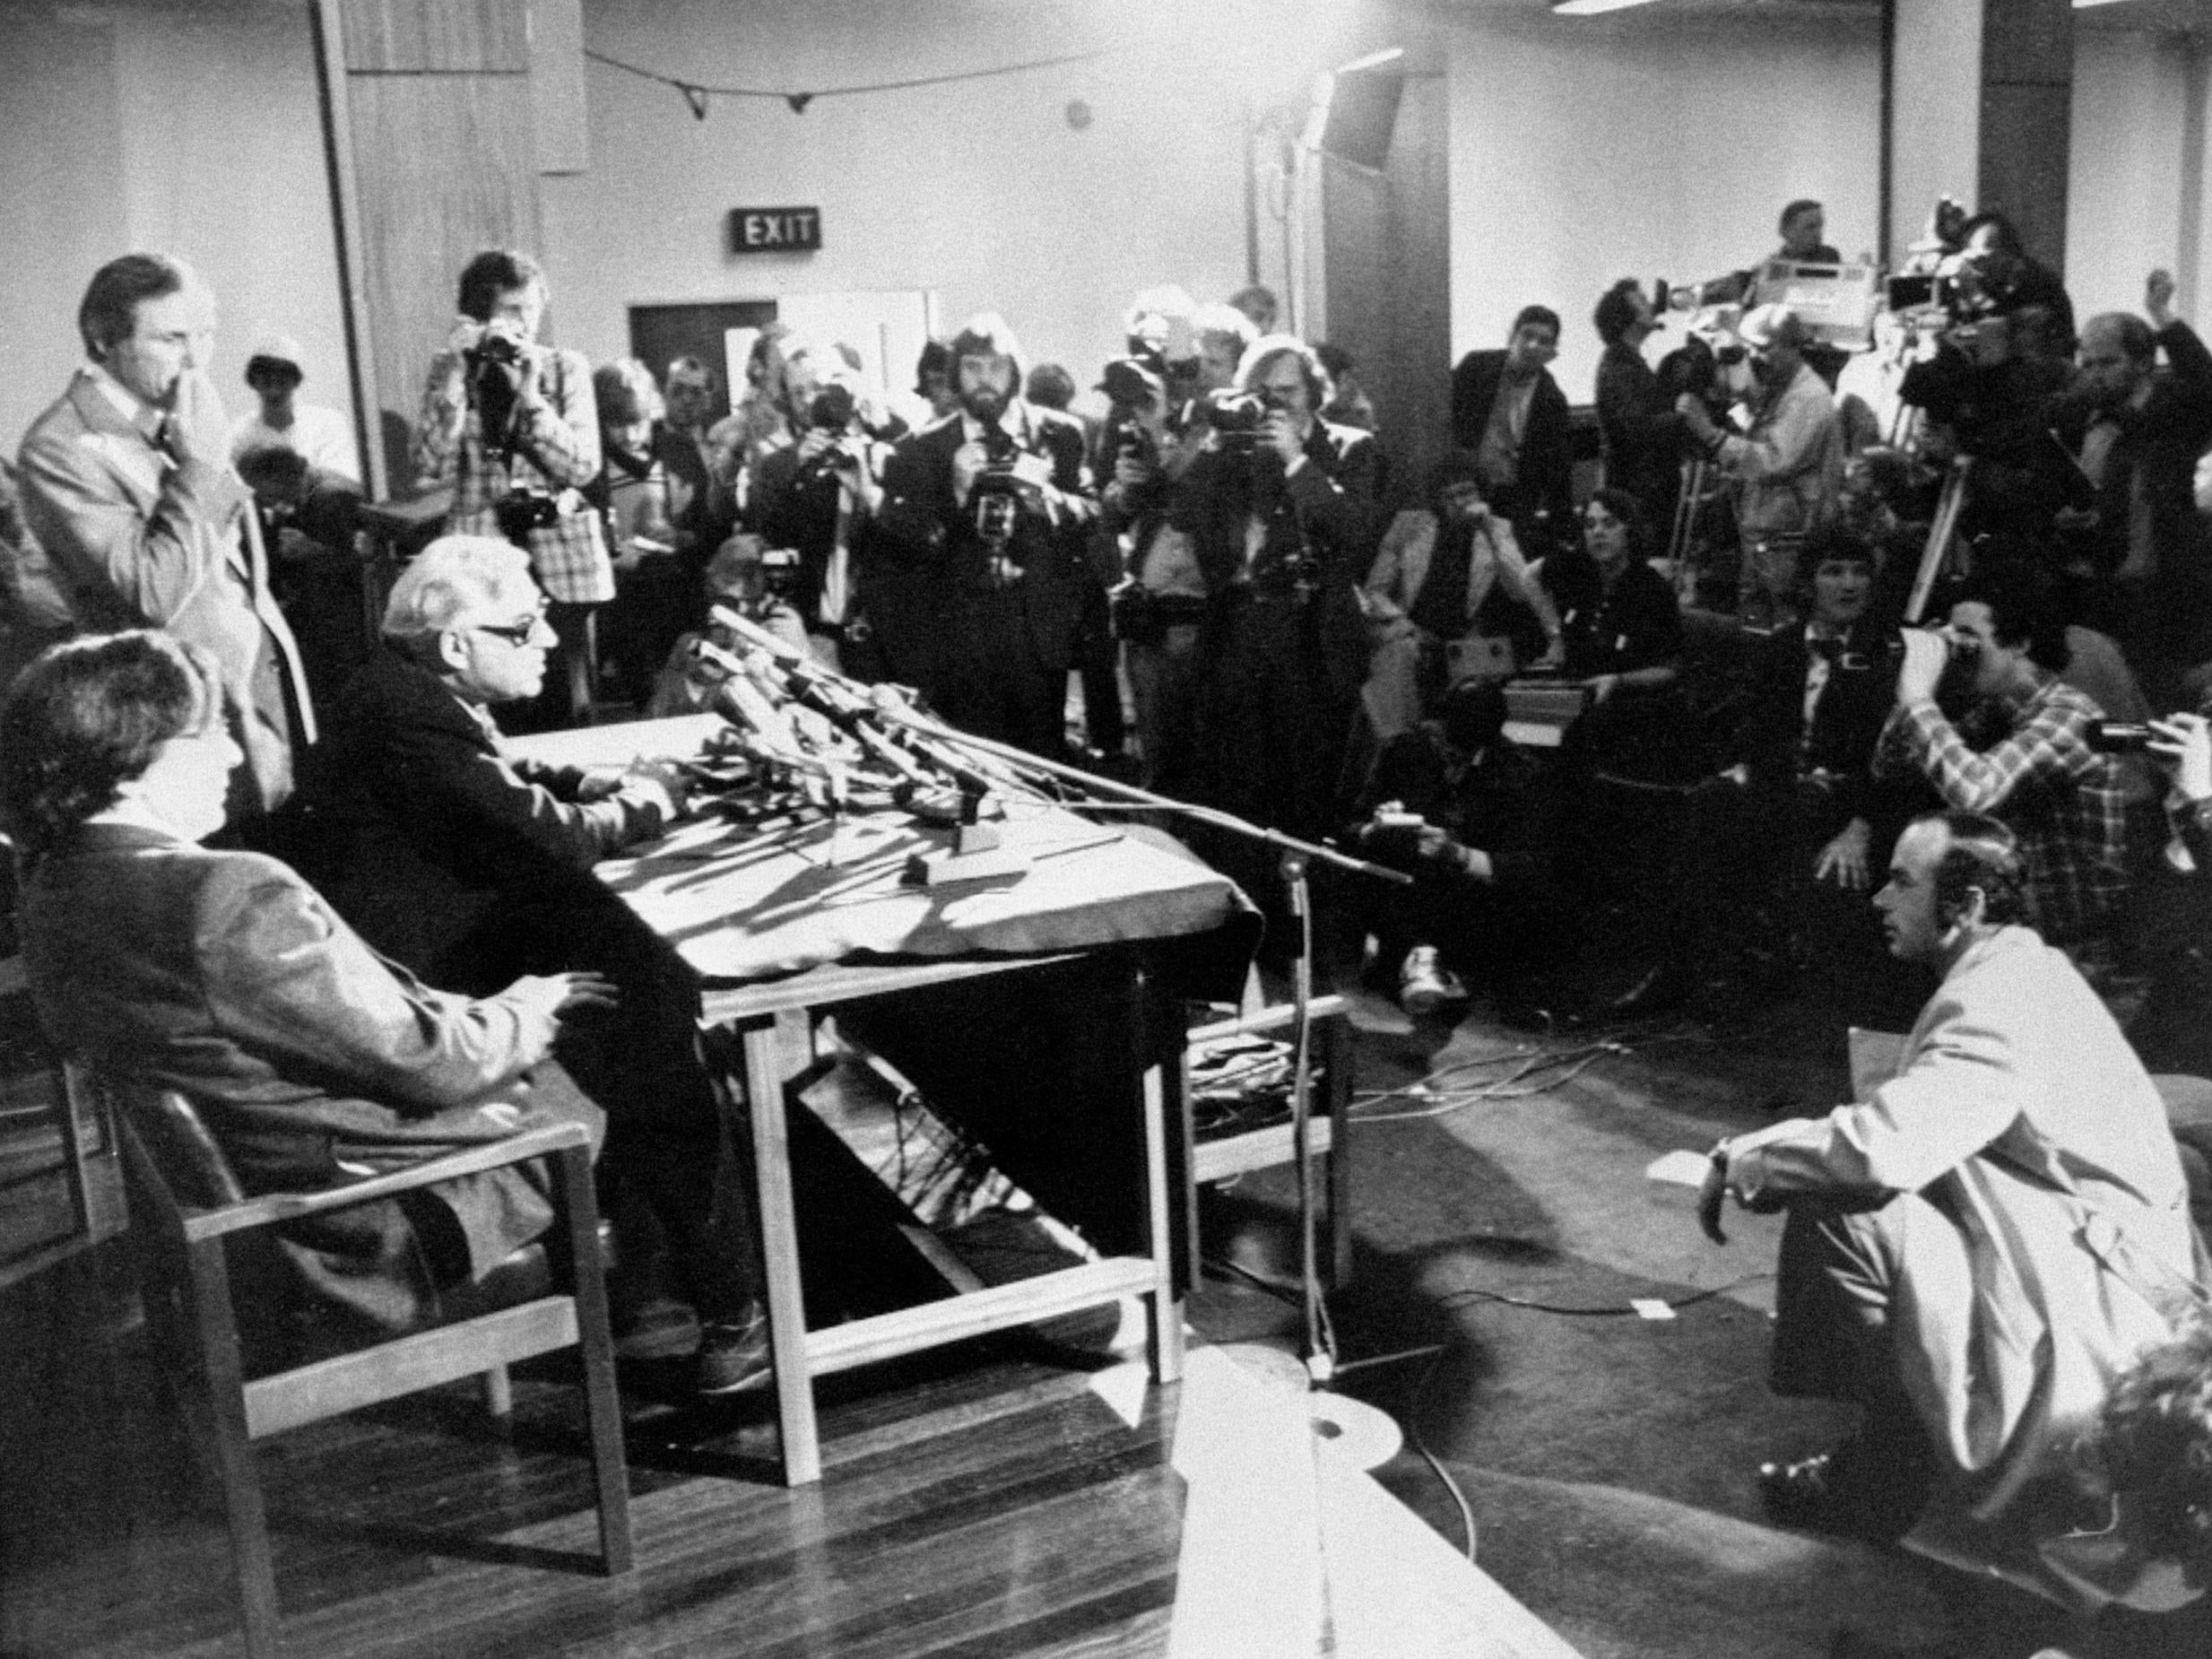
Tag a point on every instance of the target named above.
point(1978, 102)
point(431, 127)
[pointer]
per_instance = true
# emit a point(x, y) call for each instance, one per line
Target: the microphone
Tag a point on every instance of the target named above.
point(844, 708)
point(923, 738)
point(753, 634)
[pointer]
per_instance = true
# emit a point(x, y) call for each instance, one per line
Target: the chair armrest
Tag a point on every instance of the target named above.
point(271, 1209)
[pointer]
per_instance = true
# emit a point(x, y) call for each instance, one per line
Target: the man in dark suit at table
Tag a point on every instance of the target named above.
point(459, 860)
point(128, 485)
point(1507, 409)
point(980, 550)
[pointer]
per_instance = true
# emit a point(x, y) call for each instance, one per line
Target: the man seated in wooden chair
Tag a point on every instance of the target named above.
point(224, 975)
point(470, 865)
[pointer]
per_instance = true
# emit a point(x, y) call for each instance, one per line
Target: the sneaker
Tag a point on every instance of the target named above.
point(1425, 987)
point(733, 1356)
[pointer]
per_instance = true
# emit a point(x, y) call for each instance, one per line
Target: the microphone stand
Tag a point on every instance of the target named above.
point(1297, 855)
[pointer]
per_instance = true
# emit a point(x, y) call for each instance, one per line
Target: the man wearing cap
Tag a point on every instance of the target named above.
point(322, 438)
point(128, 486)
point(1787, 464)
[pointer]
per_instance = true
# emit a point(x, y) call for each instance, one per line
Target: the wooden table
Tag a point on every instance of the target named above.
point(667, 887)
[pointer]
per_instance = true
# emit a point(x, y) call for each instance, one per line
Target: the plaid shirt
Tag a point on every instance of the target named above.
point(557, 451)
point(2034, 770)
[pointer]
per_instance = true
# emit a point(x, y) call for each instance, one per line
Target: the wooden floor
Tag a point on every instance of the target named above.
point(991, 1501)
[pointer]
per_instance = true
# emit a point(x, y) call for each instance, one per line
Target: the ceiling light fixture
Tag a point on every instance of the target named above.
point(1591, 8)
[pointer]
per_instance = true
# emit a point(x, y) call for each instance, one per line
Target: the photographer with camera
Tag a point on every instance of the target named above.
point(974, 579)
point(1640, 431)
point(1985, 387)
point(1475, 820)
point(1152, 435)
point(1279, 506)
point(1993, 276)
point(1787, 464)
point(2024, 750)
point(819, 496)
point(515, 426)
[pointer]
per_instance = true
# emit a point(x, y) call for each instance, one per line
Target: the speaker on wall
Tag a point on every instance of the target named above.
point(1363, 108)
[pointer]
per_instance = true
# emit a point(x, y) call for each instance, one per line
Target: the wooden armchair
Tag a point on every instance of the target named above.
point(186, 1204)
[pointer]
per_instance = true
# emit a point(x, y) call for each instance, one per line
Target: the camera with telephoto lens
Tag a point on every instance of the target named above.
point(2119, 736)
point(523, 509)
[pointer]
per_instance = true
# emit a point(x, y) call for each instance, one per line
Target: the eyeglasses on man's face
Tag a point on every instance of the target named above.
point(519, 633)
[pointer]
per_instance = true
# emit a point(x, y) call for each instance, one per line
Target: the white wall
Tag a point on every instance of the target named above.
point(981, 191)
point(189, 126)
point(1938, 101)
point(2123, 214)
point(1584, 150)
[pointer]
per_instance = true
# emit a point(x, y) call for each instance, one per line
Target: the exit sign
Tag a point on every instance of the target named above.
point(776, 230)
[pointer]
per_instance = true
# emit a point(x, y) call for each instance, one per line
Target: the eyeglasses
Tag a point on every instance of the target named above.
point(515, 633)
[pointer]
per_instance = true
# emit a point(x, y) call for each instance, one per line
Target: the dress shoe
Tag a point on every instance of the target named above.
point(1662, 988)
point(1425, 987)
point(1851, 1490)
point(733, 1356)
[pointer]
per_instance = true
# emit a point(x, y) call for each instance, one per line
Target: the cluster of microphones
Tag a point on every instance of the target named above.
point(788, 713)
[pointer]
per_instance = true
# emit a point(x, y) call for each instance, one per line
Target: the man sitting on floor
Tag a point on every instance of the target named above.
point(1468, 816)
point(1977, 1250)
point(460, 861)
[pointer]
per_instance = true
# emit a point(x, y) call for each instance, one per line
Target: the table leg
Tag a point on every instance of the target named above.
point(779, 1257)
point(1164, 1322)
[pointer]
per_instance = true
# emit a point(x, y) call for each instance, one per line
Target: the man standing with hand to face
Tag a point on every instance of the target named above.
point(127, 484)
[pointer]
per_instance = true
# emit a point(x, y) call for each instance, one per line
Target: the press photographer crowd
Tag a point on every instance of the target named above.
point(1865, 661)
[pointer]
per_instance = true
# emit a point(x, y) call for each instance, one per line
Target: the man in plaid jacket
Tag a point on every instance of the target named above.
point(513, 424)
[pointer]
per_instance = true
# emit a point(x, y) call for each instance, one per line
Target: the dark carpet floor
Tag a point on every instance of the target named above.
point(1608, 1458)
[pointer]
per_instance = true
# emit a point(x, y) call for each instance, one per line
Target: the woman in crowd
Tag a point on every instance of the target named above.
point(1447, 577)
point(1621, 631)
point(223, 975)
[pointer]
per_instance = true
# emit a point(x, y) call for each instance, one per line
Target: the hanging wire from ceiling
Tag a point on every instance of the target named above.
point(697, 95)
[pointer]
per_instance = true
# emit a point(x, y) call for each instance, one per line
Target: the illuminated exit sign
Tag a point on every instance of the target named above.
point(776, 230)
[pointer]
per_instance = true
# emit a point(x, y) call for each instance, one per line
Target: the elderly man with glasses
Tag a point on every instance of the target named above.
point(459, 859)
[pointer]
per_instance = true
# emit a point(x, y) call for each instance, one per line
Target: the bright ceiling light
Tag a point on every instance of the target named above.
point(1590, 8)
point(2080, 5)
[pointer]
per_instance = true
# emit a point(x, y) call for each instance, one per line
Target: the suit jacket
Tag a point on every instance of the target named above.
point(1546, 465)
point(706, 510)
point(1847, 719)
point(1326, 508)
point(137, 541)
point(312, 1061)
point(429, 840)
point(1640, 430)
point(926, 558)
point(2046, 1219)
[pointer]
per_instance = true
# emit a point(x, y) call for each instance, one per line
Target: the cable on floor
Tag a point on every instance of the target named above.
point(1607, 1311)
